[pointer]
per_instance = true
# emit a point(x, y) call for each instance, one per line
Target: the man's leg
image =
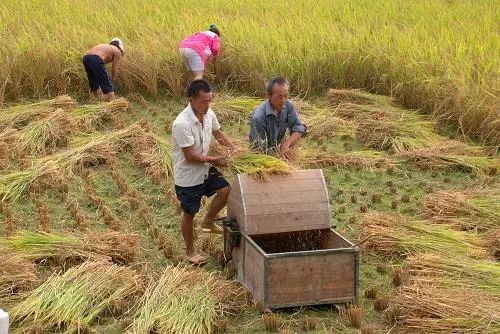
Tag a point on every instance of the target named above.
point(97, 94)
point(197, 75)
point(217, 204)
point(187, 232)
point(110, 96)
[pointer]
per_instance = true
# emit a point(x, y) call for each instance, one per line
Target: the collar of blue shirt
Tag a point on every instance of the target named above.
point(269, 108)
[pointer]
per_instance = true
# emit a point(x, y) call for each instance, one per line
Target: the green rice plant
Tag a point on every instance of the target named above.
point(455, 272)
point(91, 115)
point(466, 211)
point(71, 301)
point(425, 308)
point(391, 235)
point(74, 246)
point(234, 108)
point(259, 165)
point(186, 300)
point(22, 114)
point(17, 274)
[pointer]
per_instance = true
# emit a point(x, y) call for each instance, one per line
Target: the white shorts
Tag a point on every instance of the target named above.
point(192, 60)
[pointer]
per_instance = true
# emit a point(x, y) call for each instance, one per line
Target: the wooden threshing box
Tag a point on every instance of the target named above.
point(287, 254)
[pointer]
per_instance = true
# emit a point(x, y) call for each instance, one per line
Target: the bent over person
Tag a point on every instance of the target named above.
point(195, 174)
point(94, 60)
point(271, 119)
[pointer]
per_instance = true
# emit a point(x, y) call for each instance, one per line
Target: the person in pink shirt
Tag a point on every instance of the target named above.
point(198, 48)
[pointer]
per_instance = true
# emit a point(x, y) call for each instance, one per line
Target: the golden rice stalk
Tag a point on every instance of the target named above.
point(259, 165)
point(17, 274)
point(325, 125)
point(362, 159)
point(480, 211)
point(89, 116)
point(74, 247)
point(424, 308)
point(493, 241)
point(74, 299)
point(357, 96)
point(391, 235)
point(185, 300)
point(449, 157)
point(234, 108)
point(49, 133)
point(155, 151)
point(22, 114)
point(454, 272)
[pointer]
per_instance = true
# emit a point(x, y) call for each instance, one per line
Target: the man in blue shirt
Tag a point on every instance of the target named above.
point(271, 119)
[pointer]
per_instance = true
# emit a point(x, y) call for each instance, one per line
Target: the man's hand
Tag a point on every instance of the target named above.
point(219, 161)
point(285, 151)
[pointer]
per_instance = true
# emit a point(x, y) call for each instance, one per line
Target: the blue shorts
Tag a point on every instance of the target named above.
point(97, 75)
point(190, 197)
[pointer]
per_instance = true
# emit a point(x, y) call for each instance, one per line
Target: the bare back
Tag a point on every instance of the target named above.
point(107, 52)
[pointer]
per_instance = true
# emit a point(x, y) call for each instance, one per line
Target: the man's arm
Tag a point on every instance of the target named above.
point(297, 130)
point(223, 139)
point(117, 56)
point(195, 157)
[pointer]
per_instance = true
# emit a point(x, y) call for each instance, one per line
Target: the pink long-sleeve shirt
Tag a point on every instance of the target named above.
point(206, 44)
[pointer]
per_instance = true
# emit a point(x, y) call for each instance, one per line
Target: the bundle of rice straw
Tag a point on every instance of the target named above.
point(392, 235)
point(45, 133)
point(453, 272)
point(480, 211)
point(154, 152)
point(91, 115)
point(71, 301)
point(258, 165)
point(423, 308)
point(362, 159)
point(357, 96)
point(74, 247)
point(325, 125)
point(445, 157)
point(234, 108)
point(22, 114)
point(17, 274)
point(186, 300)
point(493, 242)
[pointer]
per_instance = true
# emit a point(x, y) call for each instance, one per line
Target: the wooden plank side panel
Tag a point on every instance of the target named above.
point(331, 240)
point(288, 222)
point(235, 208)
point(253, 270)
point(283, 186)
point(309, 196)
point(311, 279)
point(265, 209)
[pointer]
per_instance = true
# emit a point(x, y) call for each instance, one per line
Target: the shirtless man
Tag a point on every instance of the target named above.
point(94, 60)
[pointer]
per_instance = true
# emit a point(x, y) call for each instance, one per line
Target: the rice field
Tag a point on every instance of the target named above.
point(427, 54)
point(98, 204)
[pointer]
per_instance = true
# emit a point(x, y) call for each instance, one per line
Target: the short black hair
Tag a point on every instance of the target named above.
point(198, 85)
point(280, 81)
point(214, 29)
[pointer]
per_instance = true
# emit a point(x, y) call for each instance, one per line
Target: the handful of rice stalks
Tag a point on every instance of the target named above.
point(395, 236)
point(73, 247)
point(17, 274)
point(480, 211)
point(22, 114)
point(71, 301)
point(186, 300)
point(259, 165)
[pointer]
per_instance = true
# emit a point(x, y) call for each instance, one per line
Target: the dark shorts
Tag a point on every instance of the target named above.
point(97, 74)
point(190, 197)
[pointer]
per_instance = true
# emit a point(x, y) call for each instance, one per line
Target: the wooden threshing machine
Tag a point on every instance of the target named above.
point(279, 239)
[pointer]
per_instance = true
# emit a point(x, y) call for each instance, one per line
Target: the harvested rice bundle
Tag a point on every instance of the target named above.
point(46, 133)
point(92, 115)
point(325, 125)
point(479, 211)
point(68, 247)
point(186, 300)
point(362, 159)
point(259, 165)
point(73, 300)
point(234, 108)
point(16, 273)
point(406, 133)
point(423, 308)
point(455, 272)
point(154, 152)
point(493, 242)
point(394, 236)
point(450, 158)
point(22, 114)
point(357, 96)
